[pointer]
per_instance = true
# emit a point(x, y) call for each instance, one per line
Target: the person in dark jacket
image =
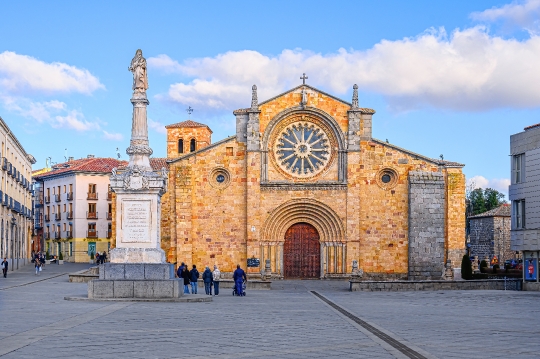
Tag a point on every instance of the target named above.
point(180, 270)
point(239, 276)
point(4, 266)
point(185, 276)
point(194, 276)
point(207, 278)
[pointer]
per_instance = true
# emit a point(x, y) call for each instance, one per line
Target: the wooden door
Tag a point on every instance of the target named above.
point(302, 252)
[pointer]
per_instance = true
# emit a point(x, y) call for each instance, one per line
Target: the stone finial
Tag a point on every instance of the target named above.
point(254, 100)
point(355, 97)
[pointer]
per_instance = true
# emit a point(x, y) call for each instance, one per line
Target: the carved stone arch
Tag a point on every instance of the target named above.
point(318, 214)
point(321, 115)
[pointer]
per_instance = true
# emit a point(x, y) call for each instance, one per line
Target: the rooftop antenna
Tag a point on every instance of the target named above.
point(189, 110)
point(65, 154)
point(442, 157)
point(118, 153)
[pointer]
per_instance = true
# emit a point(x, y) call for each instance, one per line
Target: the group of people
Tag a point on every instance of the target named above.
point(210, 278)
point(101, 258)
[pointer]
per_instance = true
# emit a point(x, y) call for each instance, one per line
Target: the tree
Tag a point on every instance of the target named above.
point(493, 198)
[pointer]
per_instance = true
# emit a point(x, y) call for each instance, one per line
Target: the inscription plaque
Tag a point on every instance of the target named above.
point(136, 221)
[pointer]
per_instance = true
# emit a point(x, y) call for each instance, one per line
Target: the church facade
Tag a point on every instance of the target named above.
point(304, 185)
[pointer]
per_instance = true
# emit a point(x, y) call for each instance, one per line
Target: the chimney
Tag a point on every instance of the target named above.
point(90, 156)
point(71, 159)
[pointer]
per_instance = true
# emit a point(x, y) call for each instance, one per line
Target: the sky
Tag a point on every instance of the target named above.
point(446, 78)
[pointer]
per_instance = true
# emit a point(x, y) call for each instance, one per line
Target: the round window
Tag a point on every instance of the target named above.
point(220, 178)
point(387, 178)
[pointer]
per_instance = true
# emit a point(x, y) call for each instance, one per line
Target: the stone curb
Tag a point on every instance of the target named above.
point(192, 299)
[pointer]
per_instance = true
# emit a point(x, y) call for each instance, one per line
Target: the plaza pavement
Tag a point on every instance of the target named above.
point(287, 322)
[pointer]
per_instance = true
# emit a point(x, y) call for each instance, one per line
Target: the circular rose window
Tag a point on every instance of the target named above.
point(302, 149)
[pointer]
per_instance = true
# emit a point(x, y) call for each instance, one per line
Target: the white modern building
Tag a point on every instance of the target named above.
point(524, 195)
point(16, 200)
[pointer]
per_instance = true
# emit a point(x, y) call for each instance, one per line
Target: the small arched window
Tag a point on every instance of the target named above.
point(180, 146)
point(192, 145)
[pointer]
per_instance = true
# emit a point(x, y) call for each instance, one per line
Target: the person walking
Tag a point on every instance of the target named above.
point(239, 276)
point(216, 274)
point(4, 266)
point(185, 276)
point(207, 279)
point(37, 265)
point(104, 257)
point(193, 277)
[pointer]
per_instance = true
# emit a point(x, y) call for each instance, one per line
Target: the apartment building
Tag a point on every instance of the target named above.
point(74, 212)
point(16, 200)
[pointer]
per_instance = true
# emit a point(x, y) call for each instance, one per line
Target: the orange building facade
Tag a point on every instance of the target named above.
point(305, 187)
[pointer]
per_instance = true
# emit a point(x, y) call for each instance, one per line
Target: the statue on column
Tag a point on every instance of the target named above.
point(138, 67)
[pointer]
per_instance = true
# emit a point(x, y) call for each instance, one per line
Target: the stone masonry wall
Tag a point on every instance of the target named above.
point(426, 225)
point(202, 136)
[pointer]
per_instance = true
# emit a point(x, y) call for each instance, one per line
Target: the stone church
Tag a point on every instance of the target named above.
point(304, 185)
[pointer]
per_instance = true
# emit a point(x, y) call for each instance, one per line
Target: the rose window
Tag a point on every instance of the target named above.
point(302, 149)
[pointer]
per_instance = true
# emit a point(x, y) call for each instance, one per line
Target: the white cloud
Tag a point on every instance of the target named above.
point(74, 120)
point(157, 126)
point(467, 70)
point(499, 184)
point(524, 14)
point(112, 136)
point(22, 73)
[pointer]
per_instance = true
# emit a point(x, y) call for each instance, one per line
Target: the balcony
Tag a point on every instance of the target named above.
point(109, 216)
point(109, 196)
point(91, 234)
point(47, 218)
point(57, 216)
point(91, 215)
point(70, 196)
point(109, 233)
point(39, 199)
point(92, 196)
point(57, 198)
point(38, 221)
point(47, 235)
point(69, 215)
point(57, 235)
point(69, 234)
point(47, 199)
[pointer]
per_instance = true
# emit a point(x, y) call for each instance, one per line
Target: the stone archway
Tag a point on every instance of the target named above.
point(302, 252)
point(322, 218)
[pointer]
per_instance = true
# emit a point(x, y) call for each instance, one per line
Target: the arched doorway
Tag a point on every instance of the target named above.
point(302, 252)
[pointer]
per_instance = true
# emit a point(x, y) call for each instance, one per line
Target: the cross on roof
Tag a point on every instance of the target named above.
point(304, 78)
point(189, 110)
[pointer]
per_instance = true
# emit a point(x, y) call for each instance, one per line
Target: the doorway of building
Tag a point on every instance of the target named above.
point(302, 252)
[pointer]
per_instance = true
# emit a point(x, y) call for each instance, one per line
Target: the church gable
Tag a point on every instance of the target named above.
point(313, 97)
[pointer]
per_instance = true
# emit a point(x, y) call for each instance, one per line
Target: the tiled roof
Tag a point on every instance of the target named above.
point(97, 165)
point(187, 123)
point(158, 163)
point(531, 126)
point(502, 211)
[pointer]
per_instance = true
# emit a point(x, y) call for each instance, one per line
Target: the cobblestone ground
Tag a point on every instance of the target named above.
point(286, 322)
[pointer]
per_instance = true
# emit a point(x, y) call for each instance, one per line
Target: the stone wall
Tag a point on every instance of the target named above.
point(202, 136)
point(426, 225)
point(490, 236)
point(402, 286)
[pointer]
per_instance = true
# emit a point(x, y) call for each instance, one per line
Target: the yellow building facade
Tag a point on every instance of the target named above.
point(304, 188)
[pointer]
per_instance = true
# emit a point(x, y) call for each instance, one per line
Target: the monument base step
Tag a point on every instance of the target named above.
point(141, 289)
point(192, 298)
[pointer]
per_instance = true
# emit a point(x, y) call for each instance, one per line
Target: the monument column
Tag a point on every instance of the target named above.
point(138, 188)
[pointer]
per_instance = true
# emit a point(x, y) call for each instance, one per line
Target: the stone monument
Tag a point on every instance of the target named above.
point(138, 268)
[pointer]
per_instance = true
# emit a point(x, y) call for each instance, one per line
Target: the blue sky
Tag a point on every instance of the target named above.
point(451, 78)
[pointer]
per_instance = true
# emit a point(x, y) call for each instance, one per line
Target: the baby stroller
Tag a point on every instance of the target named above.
point(235, 292)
